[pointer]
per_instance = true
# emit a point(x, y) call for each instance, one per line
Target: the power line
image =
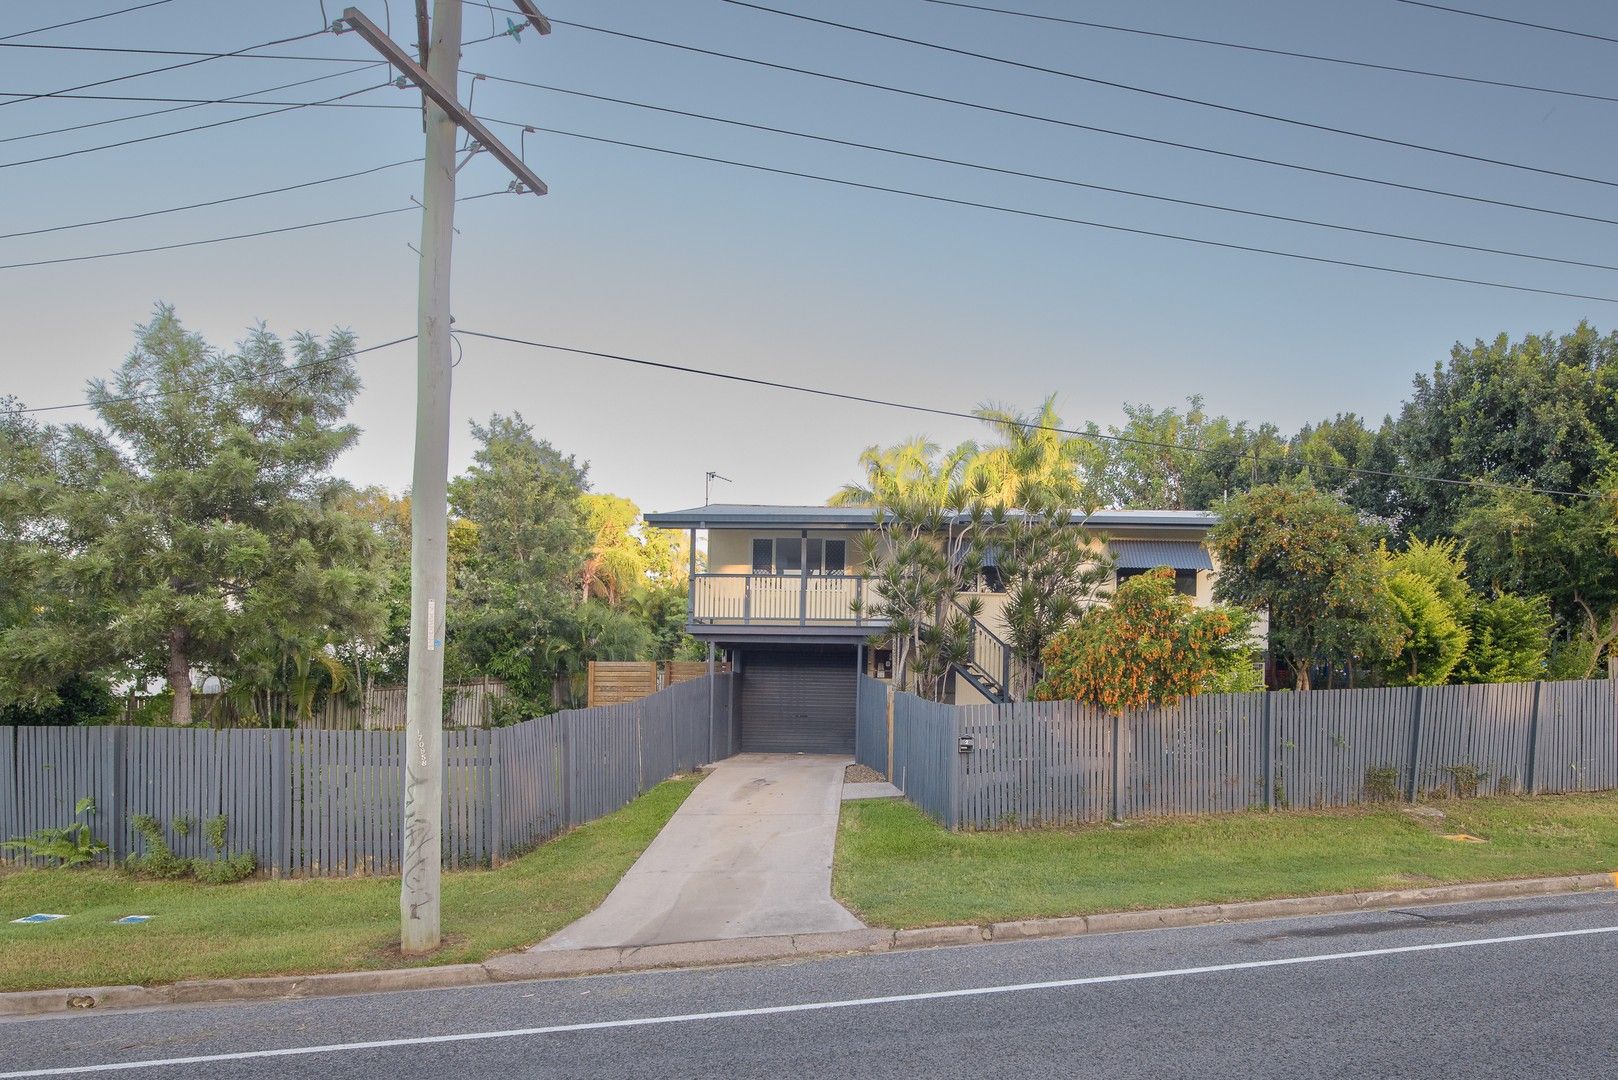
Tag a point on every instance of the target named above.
point(1048, 179)
point(204, 53)
point(1503, 19)
point(1042, 216)
point(889, 403)
point(1344, 61)
point(1182, 98)
point(1074, 125)
point(186, 131)
point(213, 383)
point(370, 65)
point(236, 236)
point(213, 202)
point(170, 67)
point(88, 18)
point(217, 101)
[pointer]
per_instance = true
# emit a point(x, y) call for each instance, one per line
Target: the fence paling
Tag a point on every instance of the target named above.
point(327, 802)
point(1065, 762)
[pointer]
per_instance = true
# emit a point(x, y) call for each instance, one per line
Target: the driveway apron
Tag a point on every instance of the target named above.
point(748, 854)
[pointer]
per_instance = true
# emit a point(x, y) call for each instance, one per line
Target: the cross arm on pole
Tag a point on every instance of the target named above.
point(535, 19)
point(444, 99)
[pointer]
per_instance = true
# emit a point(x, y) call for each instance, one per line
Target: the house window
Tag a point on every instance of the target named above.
point(785, 555)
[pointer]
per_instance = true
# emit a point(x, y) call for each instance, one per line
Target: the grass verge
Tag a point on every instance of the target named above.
point(266, 927)
point(896, 867)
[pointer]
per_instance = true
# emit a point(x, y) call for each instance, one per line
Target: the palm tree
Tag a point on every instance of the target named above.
point(1034, 462)
point(911, 471)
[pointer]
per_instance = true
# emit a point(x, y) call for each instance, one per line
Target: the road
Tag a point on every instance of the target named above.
point(1507, 988)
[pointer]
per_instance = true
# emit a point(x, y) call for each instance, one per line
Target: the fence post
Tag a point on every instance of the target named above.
point(1415, 744)
point(859, 692)
point(280, 805)
point(1531, 781)
point(640, 753)
point(113, 762)
point(957, 765)
point(1117, 767)
point(891, 780)
point(1269, 754)
point(495, 806)
point(712, 694)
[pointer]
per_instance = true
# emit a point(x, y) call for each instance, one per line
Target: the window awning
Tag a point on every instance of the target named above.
point(1149, 554)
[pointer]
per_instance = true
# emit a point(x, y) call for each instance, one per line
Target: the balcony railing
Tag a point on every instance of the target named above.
point(781, 599)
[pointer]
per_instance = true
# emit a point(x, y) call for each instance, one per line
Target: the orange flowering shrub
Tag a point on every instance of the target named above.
point(1151, 647)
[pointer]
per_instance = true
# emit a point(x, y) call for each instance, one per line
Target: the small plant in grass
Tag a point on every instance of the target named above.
point(1468, 779)
point(72, 845)
point(160, 860)
point(1381, 783)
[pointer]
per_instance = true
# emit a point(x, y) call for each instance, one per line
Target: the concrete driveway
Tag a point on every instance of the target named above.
point(748, 855)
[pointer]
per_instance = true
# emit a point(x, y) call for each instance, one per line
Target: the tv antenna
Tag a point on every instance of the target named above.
point(707, 485)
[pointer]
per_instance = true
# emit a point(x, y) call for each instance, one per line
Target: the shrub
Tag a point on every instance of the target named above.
point(1151, 647)
point(72, 845)
point(160, 860)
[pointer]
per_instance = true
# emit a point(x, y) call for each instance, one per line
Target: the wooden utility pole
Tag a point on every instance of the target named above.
point(429, 500)
point(429, 509)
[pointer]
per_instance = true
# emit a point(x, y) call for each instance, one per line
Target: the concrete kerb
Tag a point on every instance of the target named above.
point(515, 967)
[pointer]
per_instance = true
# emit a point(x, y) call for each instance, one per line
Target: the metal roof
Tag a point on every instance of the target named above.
point(1149, 554)
point(721, 515)
point(753, 515)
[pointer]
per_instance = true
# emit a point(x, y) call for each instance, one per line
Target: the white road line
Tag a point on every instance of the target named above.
point(809, 1006)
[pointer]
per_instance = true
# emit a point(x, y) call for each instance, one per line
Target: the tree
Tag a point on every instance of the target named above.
point(1166, 459)
point(197, 530)
point(1527, 543)
point(909, 471)
point(512, 612)
point(1033, 463)
point(1303, 556)
point(925, 555)
point(626, 554)
point(1442, 564)
point(1541, 412)
point(1509, 640)
point(1434, 639)
point(1152, 646)
point(1053, 570)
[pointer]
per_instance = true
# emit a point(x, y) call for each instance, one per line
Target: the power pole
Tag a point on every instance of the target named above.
point(429, 500)
point(429, 510)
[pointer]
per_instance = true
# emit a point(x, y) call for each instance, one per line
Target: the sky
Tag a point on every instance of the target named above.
point(703, 264)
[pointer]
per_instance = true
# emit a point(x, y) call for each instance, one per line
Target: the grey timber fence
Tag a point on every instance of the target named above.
point(1028, 763)
point(327, 803)
point(871, 726)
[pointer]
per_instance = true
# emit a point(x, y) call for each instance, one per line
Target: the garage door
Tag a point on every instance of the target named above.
point(798, 701)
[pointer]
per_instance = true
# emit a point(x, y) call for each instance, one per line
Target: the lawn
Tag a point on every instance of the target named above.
point(266, 927)
point(895, 867)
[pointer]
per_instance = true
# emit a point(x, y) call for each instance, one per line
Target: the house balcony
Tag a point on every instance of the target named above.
point(817, 600)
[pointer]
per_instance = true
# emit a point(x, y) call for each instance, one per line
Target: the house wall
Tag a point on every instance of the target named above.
point(730, 551)
point(993, 603)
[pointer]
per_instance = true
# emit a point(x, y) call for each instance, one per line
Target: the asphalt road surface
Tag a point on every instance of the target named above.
point(1511, 988)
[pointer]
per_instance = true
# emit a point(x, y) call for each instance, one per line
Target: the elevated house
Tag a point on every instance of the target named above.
point(784, 598)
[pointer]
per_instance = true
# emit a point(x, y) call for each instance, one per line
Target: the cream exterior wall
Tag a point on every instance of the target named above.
point(730, 551)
